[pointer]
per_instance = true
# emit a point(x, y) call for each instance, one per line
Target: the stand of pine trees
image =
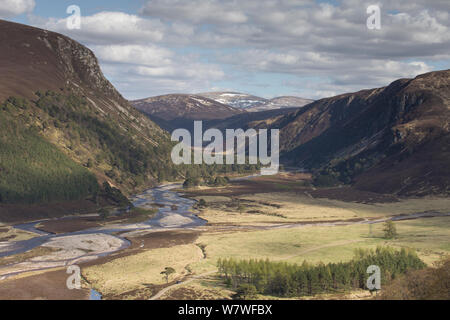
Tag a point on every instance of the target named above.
point(32, 170)
point(292, 280)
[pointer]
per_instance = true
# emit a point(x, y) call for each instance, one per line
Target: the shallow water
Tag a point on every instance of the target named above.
point(161, 195)
point(95, 295)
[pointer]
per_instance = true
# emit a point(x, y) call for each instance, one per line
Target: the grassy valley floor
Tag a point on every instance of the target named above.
point(268, 217)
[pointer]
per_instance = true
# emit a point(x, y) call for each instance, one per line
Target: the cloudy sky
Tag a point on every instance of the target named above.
point(307, 48)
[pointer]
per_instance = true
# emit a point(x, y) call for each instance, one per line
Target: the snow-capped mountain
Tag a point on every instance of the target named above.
point(187, 106)
point(253, 103)
point(235, 99)
point(175, 111)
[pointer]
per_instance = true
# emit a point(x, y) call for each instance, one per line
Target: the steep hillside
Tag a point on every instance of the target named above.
point(41, 172)
point(393, 139)
point(53, 94)
point(180, 110)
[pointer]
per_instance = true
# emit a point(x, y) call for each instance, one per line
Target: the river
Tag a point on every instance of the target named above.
point(175, 212)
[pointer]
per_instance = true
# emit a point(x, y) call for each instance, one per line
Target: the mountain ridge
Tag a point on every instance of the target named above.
point(189, 106)
point(353, 136)
point(253, 103)
point(175, 111)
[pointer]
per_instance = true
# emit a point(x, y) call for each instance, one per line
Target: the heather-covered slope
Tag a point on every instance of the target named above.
point(63, 99)
point(393, 139)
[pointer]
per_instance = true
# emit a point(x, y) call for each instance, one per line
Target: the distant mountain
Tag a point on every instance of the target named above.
point(180, 110)
point(390, 140)
point(252, 103)
point(281, 103)
point(64, 129)
point(235, 99)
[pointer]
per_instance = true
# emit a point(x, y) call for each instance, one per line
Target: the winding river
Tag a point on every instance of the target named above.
point(175, 212)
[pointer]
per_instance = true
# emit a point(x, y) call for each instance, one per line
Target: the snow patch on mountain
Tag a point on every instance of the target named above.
point(252, 103)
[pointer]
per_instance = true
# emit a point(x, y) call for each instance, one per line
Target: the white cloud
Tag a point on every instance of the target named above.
point(180, 74)
point(183, 71)
point(196, 11)
point(134, 54)
point(140, 71)
point(295, 38)
point(110, 28)
point(142, 81)
point(343, 74)
point(12, 8)
point(406, 28)
point(128, 47)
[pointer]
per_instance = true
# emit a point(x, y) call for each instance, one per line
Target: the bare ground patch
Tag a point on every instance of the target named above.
point(18, 258)
point(16, 213)
point(349, 194)
point(294, 183)
point(74, 224)
point(50, 285)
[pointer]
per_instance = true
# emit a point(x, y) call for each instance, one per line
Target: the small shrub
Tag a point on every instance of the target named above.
point(191, 182)
point(390, 231)
point(202, 203)
point(103, 213)
point(246, 292)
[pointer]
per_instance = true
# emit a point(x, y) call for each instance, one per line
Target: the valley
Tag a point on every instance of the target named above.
point(88, 179)
point(262, 217)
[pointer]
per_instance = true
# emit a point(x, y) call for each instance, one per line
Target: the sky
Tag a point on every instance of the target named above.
point(307, 48)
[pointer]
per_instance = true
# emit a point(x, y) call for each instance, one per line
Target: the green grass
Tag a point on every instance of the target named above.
point(429, 237)
point(136, 271)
